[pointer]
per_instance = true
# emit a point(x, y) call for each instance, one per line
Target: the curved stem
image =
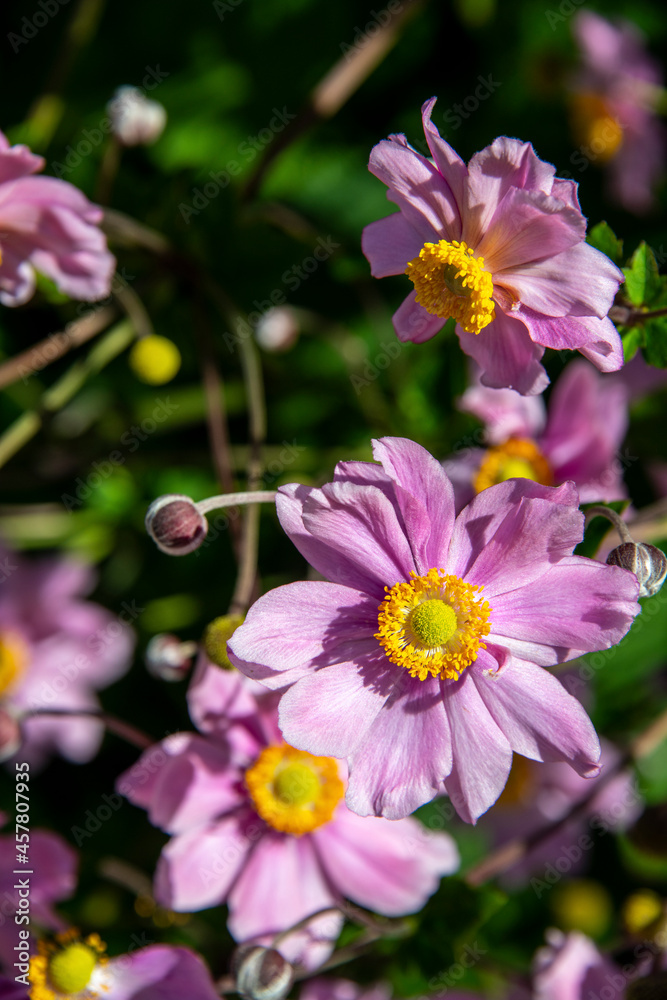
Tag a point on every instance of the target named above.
point(119, 727)
point(235, 500)
point(611, 515)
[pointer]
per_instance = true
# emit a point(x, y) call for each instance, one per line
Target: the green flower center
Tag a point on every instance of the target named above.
point(433, 622)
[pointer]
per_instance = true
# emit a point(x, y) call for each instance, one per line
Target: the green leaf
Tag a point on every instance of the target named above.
point(597, 529)
point(603, 238)
point(642, 281)
point(655, 335)
point(633, 339)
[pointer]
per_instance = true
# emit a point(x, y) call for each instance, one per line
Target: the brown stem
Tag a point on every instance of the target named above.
point(56, 345)
point(508, 855)
point(119, 727)
point(628, 316)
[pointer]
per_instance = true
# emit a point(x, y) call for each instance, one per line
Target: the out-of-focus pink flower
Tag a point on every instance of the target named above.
point(578, 438)
point(614, 108)
point(263, 827)
point(47, 225)
point(499, 245)
point(56, 649)
point(570, 967)
point(342, 989)
point(536, 796)
point(422, 663)
point(53, 865)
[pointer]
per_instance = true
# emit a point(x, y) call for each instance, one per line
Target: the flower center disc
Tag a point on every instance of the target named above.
point(65, 967)
point(293, 791)
point(518, 458)
point(13, 657)
point(450, 281)
point(70, 970)
point(433, 625)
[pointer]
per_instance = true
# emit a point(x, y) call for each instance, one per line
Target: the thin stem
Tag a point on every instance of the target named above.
point(627, 316)
point(56, 345)
point(235, 500)
point(135, 309)
point(119, 727)
point(611, 515)
point(28, 424)
point(108, 170)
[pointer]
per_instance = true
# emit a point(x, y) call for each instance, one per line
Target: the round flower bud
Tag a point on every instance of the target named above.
point(135, 120)
point(154, 359)
point(648, 563)
point(216, 636)
point(175, 524)
point(167, 658)
point(261, 973)
point(277, 329)
point(10, 735)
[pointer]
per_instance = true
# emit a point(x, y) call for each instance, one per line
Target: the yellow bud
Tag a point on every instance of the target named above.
point(217, 635)
point(583, 905)
point(155, 359)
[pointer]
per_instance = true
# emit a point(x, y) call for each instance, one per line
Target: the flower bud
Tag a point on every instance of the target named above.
point(648, 563)
point(10, 735)
point(216, 636)
point(261, 973)
point(277, 329)
point(175, 524)
point(135, 120)
point(155, 359)
point(167, 658)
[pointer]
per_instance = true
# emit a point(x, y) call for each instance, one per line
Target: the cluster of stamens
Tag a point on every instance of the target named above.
point(451, 281)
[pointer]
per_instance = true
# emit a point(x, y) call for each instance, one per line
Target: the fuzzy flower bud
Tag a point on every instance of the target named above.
point(648, 563)
point(175, 524)
point(261, 973)
point(217, 635)
point(10, 735)
point(136, 120)
point(167, 658)
point(277, 329)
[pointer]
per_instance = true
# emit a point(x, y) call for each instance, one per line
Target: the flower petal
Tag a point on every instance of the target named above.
point(447, 160)
point(159, 972)
point(482, 756)
point(388, 867)
point(538, 717)
point(505, 412)
point(507, 356)
point(390, 243)
point(414, 323)
point(403, 757)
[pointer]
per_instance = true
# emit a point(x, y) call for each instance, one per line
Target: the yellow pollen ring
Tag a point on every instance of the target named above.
point(13, 659)
point(518, 458)
point(293, 791)
point(64, 968)
point(433, 625)
point(450, 281)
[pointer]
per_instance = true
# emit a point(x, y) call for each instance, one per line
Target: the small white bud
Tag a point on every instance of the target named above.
point(167, 658)
point(277, 329)
point(261, 973)
point(136, 120)
point(648, 563)
point(175, 524)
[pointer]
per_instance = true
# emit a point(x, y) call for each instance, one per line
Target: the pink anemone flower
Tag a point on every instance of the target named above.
point(47, 225)
point(577, 438)
point(56, 649)
point(263, 827)
point(422, 662)
point(615, 109)
point(499, 245)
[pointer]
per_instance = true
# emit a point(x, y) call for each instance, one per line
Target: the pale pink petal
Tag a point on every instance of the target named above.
point(538, 717)
point(217, 696)
point(483, 756)
point(197, 869)
point(447, 160)
point(17, 278)
point(528, 226)
point(413, 323)
point(17, 161)
point(505, 412)
point(597, 339)
point(281, 883)
point(388, 867)
point(159, 972)
point(390, 243)
point(506, 355)
point(387, 776)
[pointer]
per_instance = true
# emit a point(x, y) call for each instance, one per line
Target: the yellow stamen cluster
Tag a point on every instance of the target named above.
point(13, 658)
point(518, 458)
point(450, 281)
point(292, 790)
point(64, 968)
point(433, 625)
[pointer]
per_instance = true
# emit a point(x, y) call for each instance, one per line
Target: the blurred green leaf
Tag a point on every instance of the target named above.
point(603, 238)
point(655, 336)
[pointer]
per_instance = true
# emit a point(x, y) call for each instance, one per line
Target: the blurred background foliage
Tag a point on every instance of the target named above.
point(224, 71)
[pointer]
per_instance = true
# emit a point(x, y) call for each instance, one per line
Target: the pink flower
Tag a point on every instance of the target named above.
point(262, 827)
point(615, 108)
point(435, 692)
point(578, 438)
point(342, 989)
point(56, 649)
point(570, 967)
point(500, 246)
point(48, 225)
point(536, 797)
